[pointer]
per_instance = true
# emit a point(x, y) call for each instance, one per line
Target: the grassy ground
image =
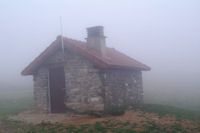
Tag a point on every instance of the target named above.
point(108, 126)
point(13, 105)
point(163, 110)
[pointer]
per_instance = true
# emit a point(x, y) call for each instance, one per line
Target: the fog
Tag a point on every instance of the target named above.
point(164, 35)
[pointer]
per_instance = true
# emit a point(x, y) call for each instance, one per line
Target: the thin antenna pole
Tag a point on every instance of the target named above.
point(61, 30)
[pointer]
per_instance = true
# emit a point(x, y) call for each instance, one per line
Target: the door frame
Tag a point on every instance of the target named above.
point(52, 65)
point(49, 93)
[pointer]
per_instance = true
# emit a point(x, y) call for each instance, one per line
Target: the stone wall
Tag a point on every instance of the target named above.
point(83, 83)
point(122, 87)
point(87, 87)
point(40, 79)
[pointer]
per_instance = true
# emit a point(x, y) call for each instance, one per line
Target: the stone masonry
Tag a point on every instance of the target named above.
point(88, 88)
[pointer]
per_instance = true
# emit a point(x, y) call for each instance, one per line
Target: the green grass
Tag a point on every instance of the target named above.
point(108, 126)
point(179, 113)
point(13, 104)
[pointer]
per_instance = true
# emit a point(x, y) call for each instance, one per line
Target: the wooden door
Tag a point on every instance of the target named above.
point(57, 92)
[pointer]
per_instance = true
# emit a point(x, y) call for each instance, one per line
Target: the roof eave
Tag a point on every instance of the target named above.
point(29, 70)
point(146, 68)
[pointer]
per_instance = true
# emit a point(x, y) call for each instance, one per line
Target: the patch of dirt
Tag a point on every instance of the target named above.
point(35, 117)
point(5, 128)
point(133, 116)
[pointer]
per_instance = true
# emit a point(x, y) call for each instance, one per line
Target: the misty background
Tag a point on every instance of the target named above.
point(164, 35)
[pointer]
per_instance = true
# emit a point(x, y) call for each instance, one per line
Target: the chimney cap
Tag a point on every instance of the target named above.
point(95, 31)
point(95, 27)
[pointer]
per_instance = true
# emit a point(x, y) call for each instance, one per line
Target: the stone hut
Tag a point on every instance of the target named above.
point(85, 76)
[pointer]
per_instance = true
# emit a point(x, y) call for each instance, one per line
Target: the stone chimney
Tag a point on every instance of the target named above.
point(96, 39)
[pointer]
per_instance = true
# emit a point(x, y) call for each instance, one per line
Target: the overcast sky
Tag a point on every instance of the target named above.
point(164, 34)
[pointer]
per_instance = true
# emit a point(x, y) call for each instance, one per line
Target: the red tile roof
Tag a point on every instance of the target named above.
point(112, 59)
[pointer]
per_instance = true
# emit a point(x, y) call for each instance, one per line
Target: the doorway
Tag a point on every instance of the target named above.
point(57, 92)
